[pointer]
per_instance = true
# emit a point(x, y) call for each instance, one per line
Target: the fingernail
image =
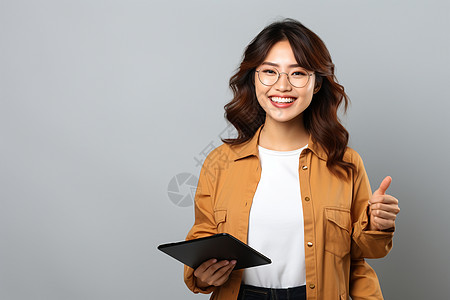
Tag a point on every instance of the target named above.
point(233, 262)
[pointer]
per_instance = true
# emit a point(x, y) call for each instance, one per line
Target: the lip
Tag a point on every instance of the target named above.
point(282, 105)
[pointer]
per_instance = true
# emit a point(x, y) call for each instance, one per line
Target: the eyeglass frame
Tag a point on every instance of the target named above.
point(287, 75)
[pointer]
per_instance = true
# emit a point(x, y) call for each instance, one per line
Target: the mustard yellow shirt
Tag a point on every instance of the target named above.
point(335, 217)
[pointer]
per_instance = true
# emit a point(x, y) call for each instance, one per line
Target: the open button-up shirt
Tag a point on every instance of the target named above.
point(335, 214)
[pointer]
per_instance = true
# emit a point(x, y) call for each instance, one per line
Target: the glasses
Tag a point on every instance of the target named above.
point(270, 75)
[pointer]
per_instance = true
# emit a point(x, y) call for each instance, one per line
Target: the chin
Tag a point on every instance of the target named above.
point(285, 119)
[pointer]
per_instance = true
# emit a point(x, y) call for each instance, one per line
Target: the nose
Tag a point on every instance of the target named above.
point(283, 83)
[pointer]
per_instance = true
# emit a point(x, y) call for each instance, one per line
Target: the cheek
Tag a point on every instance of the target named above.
point(311, 85)
point(262, 99)
point(307, 92)
point(261, 92)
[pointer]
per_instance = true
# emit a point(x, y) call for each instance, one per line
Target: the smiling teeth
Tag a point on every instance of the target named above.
point(282, 100)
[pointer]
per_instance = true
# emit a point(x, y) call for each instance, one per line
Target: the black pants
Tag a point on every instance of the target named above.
point(249, 292)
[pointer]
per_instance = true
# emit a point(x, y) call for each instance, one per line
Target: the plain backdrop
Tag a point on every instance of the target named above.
point(104, 103)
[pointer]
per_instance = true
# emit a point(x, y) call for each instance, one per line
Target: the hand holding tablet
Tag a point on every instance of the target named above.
point(222, 246)
point(212, 272)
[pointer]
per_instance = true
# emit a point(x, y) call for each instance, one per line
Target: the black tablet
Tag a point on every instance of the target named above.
point(222, 246)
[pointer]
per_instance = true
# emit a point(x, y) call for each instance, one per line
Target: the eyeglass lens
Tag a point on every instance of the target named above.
point(270, 75)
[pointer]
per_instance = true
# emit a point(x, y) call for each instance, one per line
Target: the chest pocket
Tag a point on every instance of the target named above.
point(220, 216)
point(338, 231)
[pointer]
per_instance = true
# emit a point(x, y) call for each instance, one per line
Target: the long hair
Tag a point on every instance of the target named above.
point(320, 118)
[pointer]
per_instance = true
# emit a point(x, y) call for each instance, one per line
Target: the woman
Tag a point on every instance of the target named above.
point(288, 185)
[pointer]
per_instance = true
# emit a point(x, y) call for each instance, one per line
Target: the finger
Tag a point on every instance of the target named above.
point(384, 185)
point(204, 266)
point(383, 223)
point(218, 265)
point(392, 208)
point(376, 199)
point(226, 275)
point(386, 199)
point(221, 276)
point(384, 214)
point(223, 269)
point(209, 275)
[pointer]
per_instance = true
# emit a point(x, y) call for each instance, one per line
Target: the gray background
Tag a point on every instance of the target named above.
point(103, 102)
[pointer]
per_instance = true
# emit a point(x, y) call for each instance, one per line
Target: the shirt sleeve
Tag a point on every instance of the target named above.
point(364, 283)
point(365, 243)
point(204, 224)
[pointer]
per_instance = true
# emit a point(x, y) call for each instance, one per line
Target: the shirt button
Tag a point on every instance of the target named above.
point(305, 167)
point(311, 286)
point(307, 199)
point(310, 244)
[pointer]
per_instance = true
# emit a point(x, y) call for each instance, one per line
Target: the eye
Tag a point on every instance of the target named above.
point(269, 72)
point(299, 73)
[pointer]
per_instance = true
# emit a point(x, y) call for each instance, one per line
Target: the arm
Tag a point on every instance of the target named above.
point(204, 224)
point(364, 283)
point(365, 243)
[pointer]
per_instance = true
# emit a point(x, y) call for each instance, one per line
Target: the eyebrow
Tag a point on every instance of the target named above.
point(277, 65)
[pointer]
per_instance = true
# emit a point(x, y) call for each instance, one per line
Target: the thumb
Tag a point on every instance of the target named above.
point(384, 186)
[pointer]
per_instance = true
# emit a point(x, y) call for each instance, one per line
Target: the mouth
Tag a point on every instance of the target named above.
point(282, 99)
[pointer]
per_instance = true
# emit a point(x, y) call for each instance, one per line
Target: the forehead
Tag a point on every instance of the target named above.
point(281, 53)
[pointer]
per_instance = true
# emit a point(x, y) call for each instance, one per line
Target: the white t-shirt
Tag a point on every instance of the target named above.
point(276, 222)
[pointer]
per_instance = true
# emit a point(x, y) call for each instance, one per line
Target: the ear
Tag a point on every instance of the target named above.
point(317, 84)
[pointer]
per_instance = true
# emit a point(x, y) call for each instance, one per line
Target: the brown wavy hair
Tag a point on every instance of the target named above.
point(320, 118)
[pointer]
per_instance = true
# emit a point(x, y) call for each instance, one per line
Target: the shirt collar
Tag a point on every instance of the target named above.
point(250, 147)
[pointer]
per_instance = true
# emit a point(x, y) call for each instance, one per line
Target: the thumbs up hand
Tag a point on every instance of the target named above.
point(383, 208)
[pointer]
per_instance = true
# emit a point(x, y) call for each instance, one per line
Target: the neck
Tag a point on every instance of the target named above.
point(283, 136)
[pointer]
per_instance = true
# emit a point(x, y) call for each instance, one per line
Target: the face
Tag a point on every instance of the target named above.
point(282, 58)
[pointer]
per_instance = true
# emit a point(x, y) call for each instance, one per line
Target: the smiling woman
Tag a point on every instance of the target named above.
point(296, 49)
point(288, 185)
